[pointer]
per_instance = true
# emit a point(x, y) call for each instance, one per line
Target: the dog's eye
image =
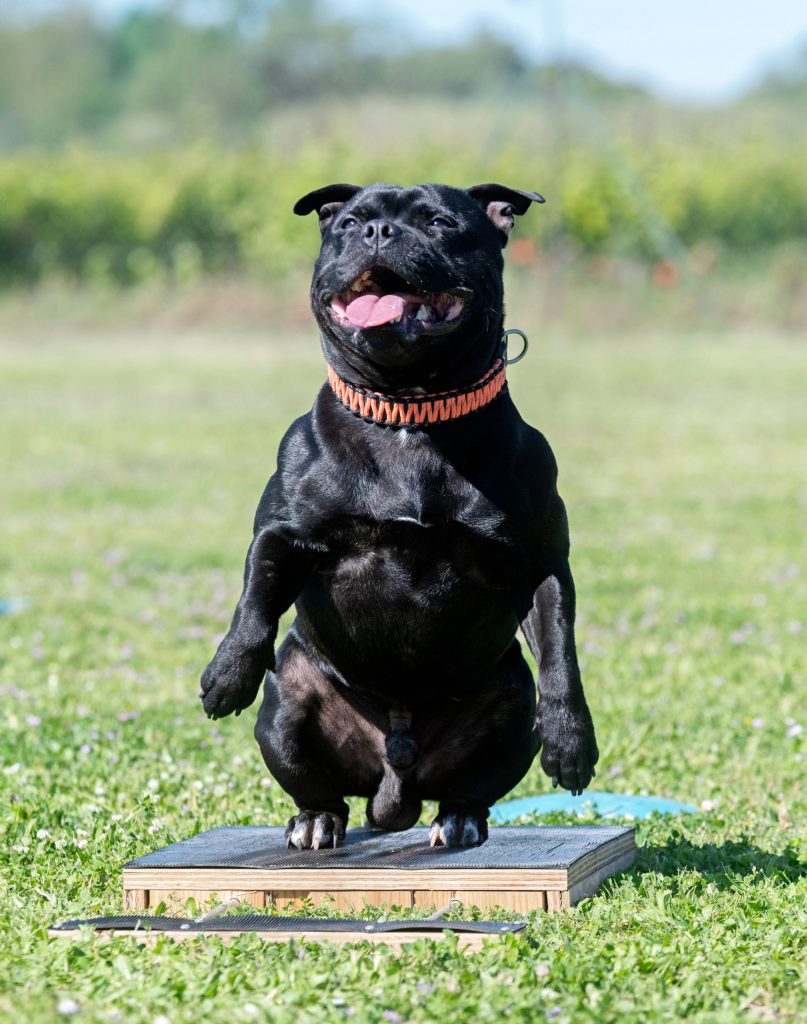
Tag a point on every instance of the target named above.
point(349, 222)
point(440, 222)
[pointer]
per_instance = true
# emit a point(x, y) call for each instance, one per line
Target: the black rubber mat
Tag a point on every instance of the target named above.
point(271, 923)
point(244, 846)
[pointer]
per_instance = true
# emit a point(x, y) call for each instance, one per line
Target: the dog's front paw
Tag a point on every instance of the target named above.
point(231, 681)
point(455, 827)
point(569, 747)
point(312, 829)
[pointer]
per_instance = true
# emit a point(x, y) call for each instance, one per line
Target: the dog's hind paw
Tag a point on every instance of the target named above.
point(310, 830)
point(458, 828)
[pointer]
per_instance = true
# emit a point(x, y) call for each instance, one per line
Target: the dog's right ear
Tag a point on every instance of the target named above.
point(326, 201)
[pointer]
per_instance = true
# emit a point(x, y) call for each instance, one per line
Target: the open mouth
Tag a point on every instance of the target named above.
point(380, 296)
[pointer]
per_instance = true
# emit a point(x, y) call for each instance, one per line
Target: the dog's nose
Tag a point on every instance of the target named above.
point(379, 232)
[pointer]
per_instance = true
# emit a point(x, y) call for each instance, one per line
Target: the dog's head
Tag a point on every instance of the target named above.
point(407, 289)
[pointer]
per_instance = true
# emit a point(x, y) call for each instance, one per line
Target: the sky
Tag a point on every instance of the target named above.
point(696, 50)
point(702, 50)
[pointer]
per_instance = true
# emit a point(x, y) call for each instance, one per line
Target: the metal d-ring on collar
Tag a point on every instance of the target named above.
point(522, 353)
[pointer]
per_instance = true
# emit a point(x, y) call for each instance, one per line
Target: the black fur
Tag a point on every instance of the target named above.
point(412, 555)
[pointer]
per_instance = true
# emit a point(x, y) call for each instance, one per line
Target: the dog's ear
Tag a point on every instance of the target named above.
point(501, 204)
point(326, 201)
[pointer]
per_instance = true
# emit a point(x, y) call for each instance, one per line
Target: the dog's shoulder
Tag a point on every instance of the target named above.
point(297, 457)
point(534, 456)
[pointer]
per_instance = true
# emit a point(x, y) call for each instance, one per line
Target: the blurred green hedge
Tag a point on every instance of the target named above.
point(179, 216)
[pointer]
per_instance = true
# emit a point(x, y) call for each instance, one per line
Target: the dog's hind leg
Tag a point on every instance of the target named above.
point(283, 735)
point(316, 745)
point(475, 751)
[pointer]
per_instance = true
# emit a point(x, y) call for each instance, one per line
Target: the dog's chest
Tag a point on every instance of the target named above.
point(415, 486)
point(421, 528)
point(399, 593)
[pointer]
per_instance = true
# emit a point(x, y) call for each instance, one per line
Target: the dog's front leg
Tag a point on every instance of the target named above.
point(569, 748)
point(273, 577)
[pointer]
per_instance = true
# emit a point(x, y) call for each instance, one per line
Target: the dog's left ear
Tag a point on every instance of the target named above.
point(326, 201)
point(501, 204)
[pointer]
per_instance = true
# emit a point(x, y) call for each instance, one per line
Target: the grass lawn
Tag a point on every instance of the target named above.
point(131, 467)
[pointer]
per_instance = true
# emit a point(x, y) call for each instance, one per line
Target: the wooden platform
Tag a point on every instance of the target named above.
point(521, 869)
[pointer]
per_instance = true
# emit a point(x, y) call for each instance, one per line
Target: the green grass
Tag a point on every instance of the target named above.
point(131, 466)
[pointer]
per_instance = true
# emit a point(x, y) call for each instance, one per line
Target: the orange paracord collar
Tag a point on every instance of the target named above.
point(418, 409)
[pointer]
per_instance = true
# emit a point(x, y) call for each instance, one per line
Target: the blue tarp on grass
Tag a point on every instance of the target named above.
point(606, 805)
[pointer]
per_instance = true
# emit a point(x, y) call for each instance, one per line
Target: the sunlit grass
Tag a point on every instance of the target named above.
point(131, 466)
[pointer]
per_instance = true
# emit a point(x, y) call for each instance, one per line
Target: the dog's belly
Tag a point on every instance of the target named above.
point(431, 614)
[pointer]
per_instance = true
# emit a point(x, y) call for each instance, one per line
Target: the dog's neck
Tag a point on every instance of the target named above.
point(454, 367)
point(420, 409)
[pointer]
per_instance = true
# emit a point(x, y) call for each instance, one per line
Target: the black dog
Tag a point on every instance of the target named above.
point(415, 523)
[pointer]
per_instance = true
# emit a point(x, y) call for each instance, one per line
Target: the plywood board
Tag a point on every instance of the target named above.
point(517, 868)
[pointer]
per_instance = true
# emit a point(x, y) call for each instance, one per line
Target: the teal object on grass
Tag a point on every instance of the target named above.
point(9, 605)
point(606, 805)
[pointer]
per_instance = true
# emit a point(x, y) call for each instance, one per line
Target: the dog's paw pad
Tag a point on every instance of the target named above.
point(456, 828)
point(314, 830)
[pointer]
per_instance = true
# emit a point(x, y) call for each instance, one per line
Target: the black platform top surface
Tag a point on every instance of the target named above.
point(247, 846)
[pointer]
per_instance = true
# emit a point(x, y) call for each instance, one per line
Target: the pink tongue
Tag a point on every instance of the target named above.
point(372, 310)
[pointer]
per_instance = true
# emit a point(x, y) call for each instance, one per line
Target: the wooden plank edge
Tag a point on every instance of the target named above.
point(556, 901)
point(615, 850)
point(589, 885)
point(250, 879)
point(136, 899)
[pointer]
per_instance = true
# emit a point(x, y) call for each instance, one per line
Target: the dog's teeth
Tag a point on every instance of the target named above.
point(397, 320)
point(424, 313)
